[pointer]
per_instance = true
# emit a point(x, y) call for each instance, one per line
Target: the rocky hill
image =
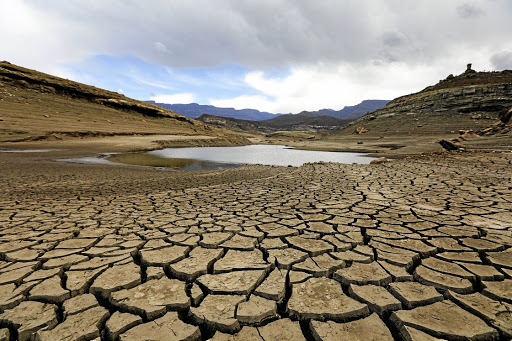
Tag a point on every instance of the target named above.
point(298, 122)
point(232, 123)
point(469, 101)
point(472, 100)
point(456, 108)
point(303, 122)
point(38, 106)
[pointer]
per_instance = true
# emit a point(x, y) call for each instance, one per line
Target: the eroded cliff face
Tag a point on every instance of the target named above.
point(472, 100)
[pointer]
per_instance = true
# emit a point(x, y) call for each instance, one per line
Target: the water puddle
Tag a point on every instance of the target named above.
point(215, 158)
point(182, 164)
point(272, 155)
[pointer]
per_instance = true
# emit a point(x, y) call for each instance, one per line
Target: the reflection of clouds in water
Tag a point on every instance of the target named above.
point(275, 155)
point(145, 159)
point(215, 158)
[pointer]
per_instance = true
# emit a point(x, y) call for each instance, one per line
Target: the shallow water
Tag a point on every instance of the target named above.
point(207, 158)
point(146, 159)
point(7, 150)
point(273, 155)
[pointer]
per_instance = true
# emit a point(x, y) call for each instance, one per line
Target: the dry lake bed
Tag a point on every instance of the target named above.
point(412, 249)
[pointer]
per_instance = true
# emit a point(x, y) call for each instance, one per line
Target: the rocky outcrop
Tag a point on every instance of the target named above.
point(503, 126)
point(471, 92)
point(470, 101)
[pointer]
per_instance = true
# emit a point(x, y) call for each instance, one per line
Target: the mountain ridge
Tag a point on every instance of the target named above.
point(351, 112)
point(194, 110)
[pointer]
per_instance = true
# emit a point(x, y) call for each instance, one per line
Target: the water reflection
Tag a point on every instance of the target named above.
point(145, 159)
point(275, 155)
point(215, 158)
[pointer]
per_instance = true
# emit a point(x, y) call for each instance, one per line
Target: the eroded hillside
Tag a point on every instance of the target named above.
point(37, 106)
point(416, 122)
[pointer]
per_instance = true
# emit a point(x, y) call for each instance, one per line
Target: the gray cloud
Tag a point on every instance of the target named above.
point(260, 34)
point(394, 39)
point(469, 10)
point(502, 60)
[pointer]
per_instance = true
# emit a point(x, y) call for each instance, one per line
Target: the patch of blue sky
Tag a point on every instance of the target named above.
point(139, 79)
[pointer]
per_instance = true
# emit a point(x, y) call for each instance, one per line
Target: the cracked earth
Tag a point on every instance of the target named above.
point(416, 249)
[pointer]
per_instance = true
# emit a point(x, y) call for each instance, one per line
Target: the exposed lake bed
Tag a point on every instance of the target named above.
point(322, 226)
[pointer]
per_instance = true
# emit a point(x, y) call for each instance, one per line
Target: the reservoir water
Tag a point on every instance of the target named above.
point(208, 158)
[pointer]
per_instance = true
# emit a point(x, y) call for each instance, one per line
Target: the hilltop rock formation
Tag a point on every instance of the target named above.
point(472, 93)
point(471, 100)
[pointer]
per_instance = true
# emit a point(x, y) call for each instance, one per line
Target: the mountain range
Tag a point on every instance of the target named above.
point(194, 110)
point(350, 112)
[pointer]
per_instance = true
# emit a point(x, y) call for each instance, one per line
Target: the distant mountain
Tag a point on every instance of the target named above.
point(351, 112)
point(282, 122)
point(194, 110)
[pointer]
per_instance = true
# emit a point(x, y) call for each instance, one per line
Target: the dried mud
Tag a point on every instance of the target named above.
point(413, 249)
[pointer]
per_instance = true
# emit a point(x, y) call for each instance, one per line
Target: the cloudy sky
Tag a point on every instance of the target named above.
point(272, 55)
